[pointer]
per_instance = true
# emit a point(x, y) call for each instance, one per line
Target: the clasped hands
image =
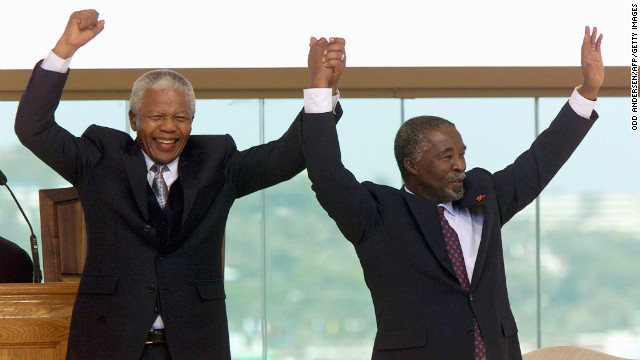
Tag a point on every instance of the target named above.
point(327, 61)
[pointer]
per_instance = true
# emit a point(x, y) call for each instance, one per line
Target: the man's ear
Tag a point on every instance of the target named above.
point(132, 120)
point(410, 166)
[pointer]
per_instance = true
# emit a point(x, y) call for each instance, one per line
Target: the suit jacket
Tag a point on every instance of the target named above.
point(126, 270)
point(15, 264)
point(421, 310)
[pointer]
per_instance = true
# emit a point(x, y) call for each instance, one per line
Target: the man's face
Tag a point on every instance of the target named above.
point(163, 123)
point(440, 171)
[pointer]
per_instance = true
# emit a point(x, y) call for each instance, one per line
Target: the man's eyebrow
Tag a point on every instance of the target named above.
point(450, 148)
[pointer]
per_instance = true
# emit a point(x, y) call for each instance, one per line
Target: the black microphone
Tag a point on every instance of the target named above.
point(37, 274)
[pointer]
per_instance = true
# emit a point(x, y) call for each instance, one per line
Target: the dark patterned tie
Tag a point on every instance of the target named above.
point(455, 254)
point(159, 186)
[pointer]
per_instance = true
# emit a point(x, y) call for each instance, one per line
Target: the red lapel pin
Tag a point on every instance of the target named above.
point(480, 197)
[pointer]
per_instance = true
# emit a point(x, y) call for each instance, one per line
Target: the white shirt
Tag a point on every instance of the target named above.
point(468, 225)
point(169, 176)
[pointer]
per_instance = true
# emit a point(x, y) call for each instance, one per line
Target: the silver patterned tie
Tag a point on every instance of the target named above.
point(159, 186)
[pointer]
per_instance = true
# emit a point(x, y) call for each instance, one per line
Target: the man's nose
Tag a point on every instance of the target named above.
point(167, 124)
point(459, 164)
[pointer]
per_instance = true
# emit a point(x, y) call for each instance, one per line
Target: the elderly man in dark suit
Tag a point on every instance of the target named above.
point(432, 251)
point(15, 264)
point(155, 210)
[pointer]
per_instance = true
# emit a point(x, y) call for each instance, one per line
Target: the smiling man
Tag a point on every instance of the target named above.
point(431, 251)
point(155, 209)
point(162, 110)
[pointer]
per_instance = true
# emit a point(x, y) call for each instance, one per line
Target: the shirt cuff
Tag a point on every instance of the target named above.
point(55, 63)
point(318, 100)
point(581, 105)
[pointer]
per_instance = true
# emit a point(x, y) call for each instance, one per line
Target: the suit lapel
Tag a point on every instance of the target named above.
point(473, 199)
point(482, 251)
point(425, 212)
point(188, 173)
point(137, 175)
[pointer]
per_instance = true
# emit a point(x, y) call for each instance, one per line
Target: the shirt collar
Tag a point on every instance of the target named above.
point(173, 166)
point(447, 206)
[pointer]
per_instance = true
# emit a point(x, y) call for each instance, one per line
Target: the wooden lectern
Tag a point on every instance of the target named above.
point(35, 318)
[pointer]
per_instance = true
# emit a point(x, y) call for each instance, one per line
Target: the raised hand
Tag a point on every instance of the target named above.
point(591, 62)
point(335, 57)
point(319, 74)
point(83, 26)
point(326, 62)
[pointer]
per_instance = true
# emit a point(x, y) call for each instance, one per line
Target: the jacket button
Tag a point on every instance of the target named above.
point(147, 228)
point(153, 288)
point(470, 331)
point(471, 297)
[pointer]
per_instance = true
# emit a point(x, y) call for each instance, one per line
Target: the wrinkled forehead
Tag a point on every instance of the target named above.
point(165, 99)
point(441, 139)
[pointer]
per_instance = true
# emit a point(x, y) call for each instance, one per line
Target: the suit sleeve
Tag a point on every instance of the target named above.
point(521, 182)
point(347, 201)
point(269, 164)
point(36, 128)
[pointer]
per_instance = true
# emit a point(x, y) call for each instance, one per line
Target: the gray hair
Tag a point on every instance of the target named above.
point(411, 138)
point(161, 79)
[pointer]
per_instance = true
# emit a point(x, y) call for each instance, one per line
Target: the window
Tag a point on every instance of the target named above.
point(288, 266)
